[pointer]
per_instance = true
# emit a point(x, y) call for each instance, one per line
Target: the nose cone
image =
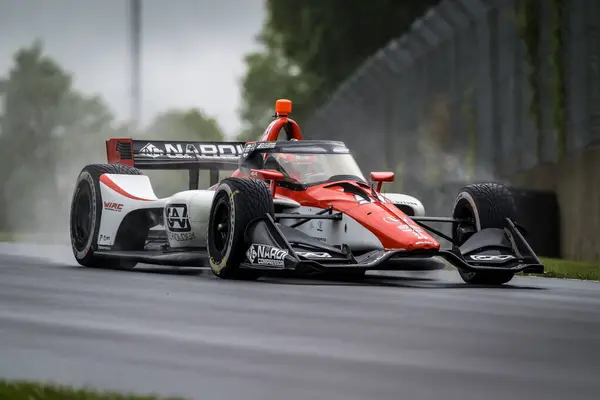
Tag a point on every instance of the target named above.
point(393, 228)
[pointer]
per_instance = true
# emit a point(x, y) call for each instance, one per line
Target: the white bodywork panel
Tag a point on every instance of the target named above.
point(116, 206)
point(186, 218)
point(406, 200)
point(136, 185)
point(285, 202)
point(345, 231)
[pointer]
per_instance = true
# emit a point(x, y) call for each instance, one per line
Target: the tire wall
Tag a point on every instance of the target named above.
point(538, 213)
point(576, 184)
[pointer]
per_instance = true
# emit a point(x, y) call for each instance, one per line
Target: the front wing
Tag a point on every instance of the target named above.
point(280, 247)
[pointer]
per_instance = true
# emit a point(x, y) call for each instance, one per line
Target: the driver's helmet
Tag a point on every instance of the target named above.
point(296, 166)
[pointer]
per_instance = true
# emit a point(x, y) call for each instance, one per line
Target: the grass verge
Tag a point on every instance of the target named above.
point(27, 390)
point(567, 269)
point(40, 238)
point(6, 237)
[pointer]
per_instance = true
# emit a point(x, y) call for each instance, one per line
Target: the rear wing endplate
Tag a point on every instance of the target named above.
point(176, 155)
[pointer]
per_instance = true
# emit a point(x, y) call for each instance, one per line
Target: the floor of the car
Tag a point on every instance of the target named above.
point(177, 257)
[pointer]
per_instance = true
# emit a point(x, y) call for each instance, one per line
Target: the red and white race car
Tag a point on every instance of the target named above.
point(296, 205)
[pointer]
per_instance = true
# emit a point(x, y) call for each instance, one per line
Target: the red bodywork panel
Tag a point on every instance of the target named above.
point(386, 221)
point(114, 156)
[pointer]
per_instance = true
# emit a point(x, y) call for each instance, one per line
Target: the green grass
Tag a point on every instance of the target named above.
point(558, 268)
point(6, 237)
point(26, 390)
point(41, 238)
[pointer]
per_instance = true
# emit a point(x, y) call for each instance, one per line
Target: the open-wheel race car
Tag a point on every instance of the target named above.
point(290, 205)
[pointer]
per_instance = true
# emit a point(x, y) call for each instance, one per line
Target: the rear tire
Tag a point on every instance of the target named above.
point(86, 213)
point(488, 204)
point(237, 202)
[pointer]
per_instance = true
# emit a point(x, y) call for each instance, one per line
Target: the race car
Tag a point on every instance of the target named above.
point(291, 205)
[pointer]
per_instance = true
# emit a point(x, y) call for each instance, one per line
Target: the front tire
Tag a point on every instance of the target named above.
point(237, 202)
point(488, 204)
point(86, 214)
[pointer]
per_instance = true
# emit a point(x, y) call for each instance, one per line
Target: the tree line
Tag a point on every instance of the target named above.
point(49, 130)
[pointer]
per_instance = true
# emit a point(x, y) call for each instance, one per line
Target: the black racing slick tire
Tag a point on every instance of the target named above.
point(488, 205)
point(86, 212)
point(237, 202)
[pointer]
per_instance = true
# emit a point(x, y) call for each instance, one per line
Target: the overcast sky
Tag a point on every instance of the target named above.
point(192, 49)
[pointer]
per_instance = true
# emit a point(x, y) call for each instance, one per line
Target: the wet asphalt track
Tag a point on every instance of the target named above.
point(190, 334)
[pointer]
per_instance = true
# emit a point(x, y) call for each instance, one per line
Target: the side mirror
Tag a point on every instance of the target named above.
point(268, 175)
point(381, 177)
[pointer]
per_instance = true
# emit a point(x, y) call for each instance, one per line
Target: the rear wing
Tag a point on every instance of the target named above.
point(176, 155)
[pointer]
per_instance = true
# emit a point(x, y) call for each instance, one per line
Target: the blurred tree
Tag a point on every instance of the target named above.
point(312, 46)
point(190, 124)
point(269, 77)
point(44, 123)
point(49, 131)
point(41, 107)
point(33, 94)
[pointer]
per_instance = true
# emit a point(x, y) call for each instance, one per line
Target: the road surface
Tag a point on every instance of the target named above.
point(184, 332)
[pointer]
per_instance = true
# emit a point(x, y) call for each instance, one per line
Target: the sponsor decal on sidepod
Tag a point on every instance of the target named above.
point(113, 206)
point(181, 237)
point(178, 219)
point(178, 223)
